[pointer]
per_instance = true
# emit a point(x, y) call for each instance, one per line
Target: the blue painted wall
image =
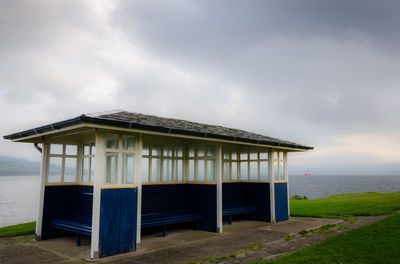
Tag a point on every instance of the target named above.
point(62, 202)
point(118, 215)
point(237, 194)
point(281, 202)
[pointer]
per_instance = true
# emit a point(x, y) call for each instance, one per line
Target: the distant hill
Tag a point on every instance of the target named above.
point(10, 166)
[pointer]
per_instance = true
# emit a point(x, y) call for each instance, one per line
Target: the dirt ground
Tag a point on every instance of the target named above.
point(265, 240)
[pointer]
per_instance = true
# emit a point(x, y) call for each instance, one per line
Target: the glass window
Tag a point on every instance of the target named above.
point(179, 152)
point(226, 155)
point(244, 171)
point(156, 150)
point(93, 148)
point(210, 170)
point(211, 151)
point(178, 170)
point(71, 150)
point(145, 170)
point(264, 170)
point(234, 171)
point(167, 169)
point(167, 151)
point(253, 171)
point(128, 172)
point(85, 170)
point(70, 170)
point(243, 156)
point(145, 150)
point(200, 151)
point(128, 143)
point(56, 149)
point(86, 149)
point(92, 168)
point(264, 155)
point(253, 156)
point(200, 170)
point(191, 151)
point(112, 143)
point(156, 170)
point(282, 171)
point(191, 170)
point(55, 169)
point(227, 171)
point(234, 155)
point(111, 167)
point(276, 171)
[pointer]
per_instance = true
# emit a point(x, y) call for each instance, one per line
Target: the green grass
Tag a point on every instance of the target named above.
point(346, 205)
point(17, 230)
point(376, 243)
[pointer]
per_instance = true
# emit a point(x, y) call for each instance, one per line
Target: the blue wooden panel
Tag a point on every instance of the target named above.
point(203, 199)
point(281, 202)
point(160, 199)
point(118, 213)
point(247, 194)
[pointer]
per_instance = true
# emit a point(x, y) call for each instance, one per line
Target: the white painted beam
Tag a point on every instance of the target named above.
point(138, 182)
point(43, 176)
point(271, 185)
point(219, 187)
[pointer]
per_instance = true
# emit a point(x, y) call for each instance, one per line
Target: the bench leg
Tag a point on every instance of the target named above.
point(230, 219)
point(78, 239)
point(164, 231)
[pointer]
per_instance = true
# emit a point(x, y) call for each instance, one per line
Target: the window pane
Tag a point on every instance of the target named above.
point(264, 170)
point(129, 143)
point(253, 156)
point(111, 168)
point(243, 156)
point(70, 170)
point(210, 170)
point(243, 171)
point(179, 152)
point(281, 155)
point(156, 170)
point(253, 171)
point(191, 170)
point(227, 171)
point(167, 170)
point(156, 150)
point(145, 170)
point(167, 151)
point(191, 151)
point(200, 170)
point(276, 172)
point(234, 171)
point(211, 151)
point(55, 166)
point(282, 171)
point(112, 143)
point(234, 155)
point(226, 155)
point(56, 149)
point(275, 155)
point(86, 149)
point(92, 168)
point(145, 150)
point(178, 170)
point(71, 150)
point(93, 150)
point(200, 151)
point(263, 155)
point(128, 171)
point(85, 170)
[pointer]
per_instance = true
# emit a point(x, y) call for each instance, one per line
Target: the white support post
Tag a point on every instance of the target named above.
point(271, 185)
point(285, 158)
point(79, 163)
point(43, 176)
point(219, 188)
point(98, 181)
point(138, 182)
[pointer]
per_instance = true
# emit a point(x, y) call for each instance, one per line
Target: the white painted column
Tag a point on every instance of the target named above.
point(138, 182)
point(219, 188)
point(285, 157)
point(98, 181)
point(43, 176)
point(271, 185)
point(79, 163)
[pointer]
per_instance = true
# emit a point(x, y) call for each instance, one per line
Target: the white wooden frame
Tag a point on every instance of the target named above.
point(63, 157)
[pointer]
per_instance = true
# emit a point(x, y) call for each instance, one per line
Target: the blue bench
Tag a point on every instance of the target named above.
point(164, 219)
point(238, 210)
point(80, 222)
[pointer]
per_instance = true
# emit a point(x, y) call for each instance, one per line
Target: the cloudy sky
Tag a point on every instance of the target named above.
point(320, 73)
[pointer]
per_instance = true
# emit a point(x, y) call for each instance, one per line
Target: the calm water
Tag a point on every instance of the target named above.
point(19, 194)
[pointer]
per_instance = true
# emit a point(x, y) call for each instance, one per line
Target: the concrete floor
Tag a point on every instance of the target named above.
point(179, 246)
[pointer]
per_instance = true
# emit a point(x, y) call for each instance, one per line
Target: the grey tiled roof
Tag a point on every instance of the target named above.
point(182, 126)
point(165, 125)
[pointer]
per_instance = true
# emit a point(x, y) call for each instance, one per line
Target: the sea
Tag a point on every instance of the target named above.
point(19, 195)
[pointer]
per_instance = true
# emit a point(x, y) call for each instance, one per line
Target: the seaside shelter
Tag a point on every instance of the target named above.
point(115, 174)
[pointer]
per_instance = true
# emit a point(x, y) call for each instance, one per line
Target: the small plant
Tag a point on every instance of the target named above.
point(303, 232)
point(289, 237)
point(298, 197)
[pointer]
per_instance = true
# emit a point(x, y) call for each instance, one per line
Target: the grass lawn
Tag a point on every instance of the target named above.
point(346, 205)
point(376, 243)
point(17, 230)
